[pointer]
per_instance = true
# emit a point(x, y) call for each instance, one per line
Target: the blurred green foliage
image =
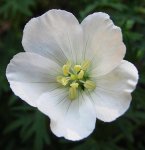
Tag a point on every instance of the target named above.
point(23, 127)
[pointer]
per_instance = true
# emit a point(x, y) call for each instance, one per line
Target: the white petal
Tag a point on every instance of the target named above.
point(103, 43)
point(73, 120)
point(56, 34)
point(112, 95)
point(30, 75)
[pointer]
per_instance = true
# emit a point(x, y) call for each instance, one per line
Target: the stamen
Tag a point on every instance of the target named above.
point(68, 63)
point(59, 79)
point(89, 85)
point(85, 65)
point(64, 81)
point(77, 68)
point(65, 69)
point(74, 85)
point(81, 74)
point(73, 91)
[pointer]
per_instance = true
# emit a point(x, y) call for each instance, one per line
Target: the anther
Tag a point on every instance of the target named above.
point(85, 65)
point(77, 68)
point(59, 79)
point(65, 69)
point(73, 91)
point(89, 85)
point(74, 85)
point(81, 74)
point(64, 81)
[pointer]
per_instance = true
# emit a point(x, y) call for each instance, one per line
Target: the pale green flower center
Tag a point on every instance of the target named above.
point(75, 77)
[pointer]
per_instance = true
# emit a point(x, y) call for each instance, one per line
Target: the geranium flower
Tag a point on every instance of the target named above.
point(73, 73)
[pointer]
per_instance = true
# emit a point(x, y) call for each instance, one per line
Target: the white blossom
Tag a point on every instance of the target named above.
point(74, 73)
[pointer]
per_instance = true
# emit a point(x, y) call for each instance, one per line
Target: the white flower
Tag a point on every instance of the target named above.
point(73, 73)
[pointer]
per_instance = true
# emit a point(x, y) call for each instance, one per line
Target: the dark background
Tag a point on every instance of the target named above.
point(23, 127)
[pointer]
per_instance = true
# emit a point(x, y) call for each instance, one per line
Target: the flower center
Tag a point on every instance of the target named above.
point(75, 77)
